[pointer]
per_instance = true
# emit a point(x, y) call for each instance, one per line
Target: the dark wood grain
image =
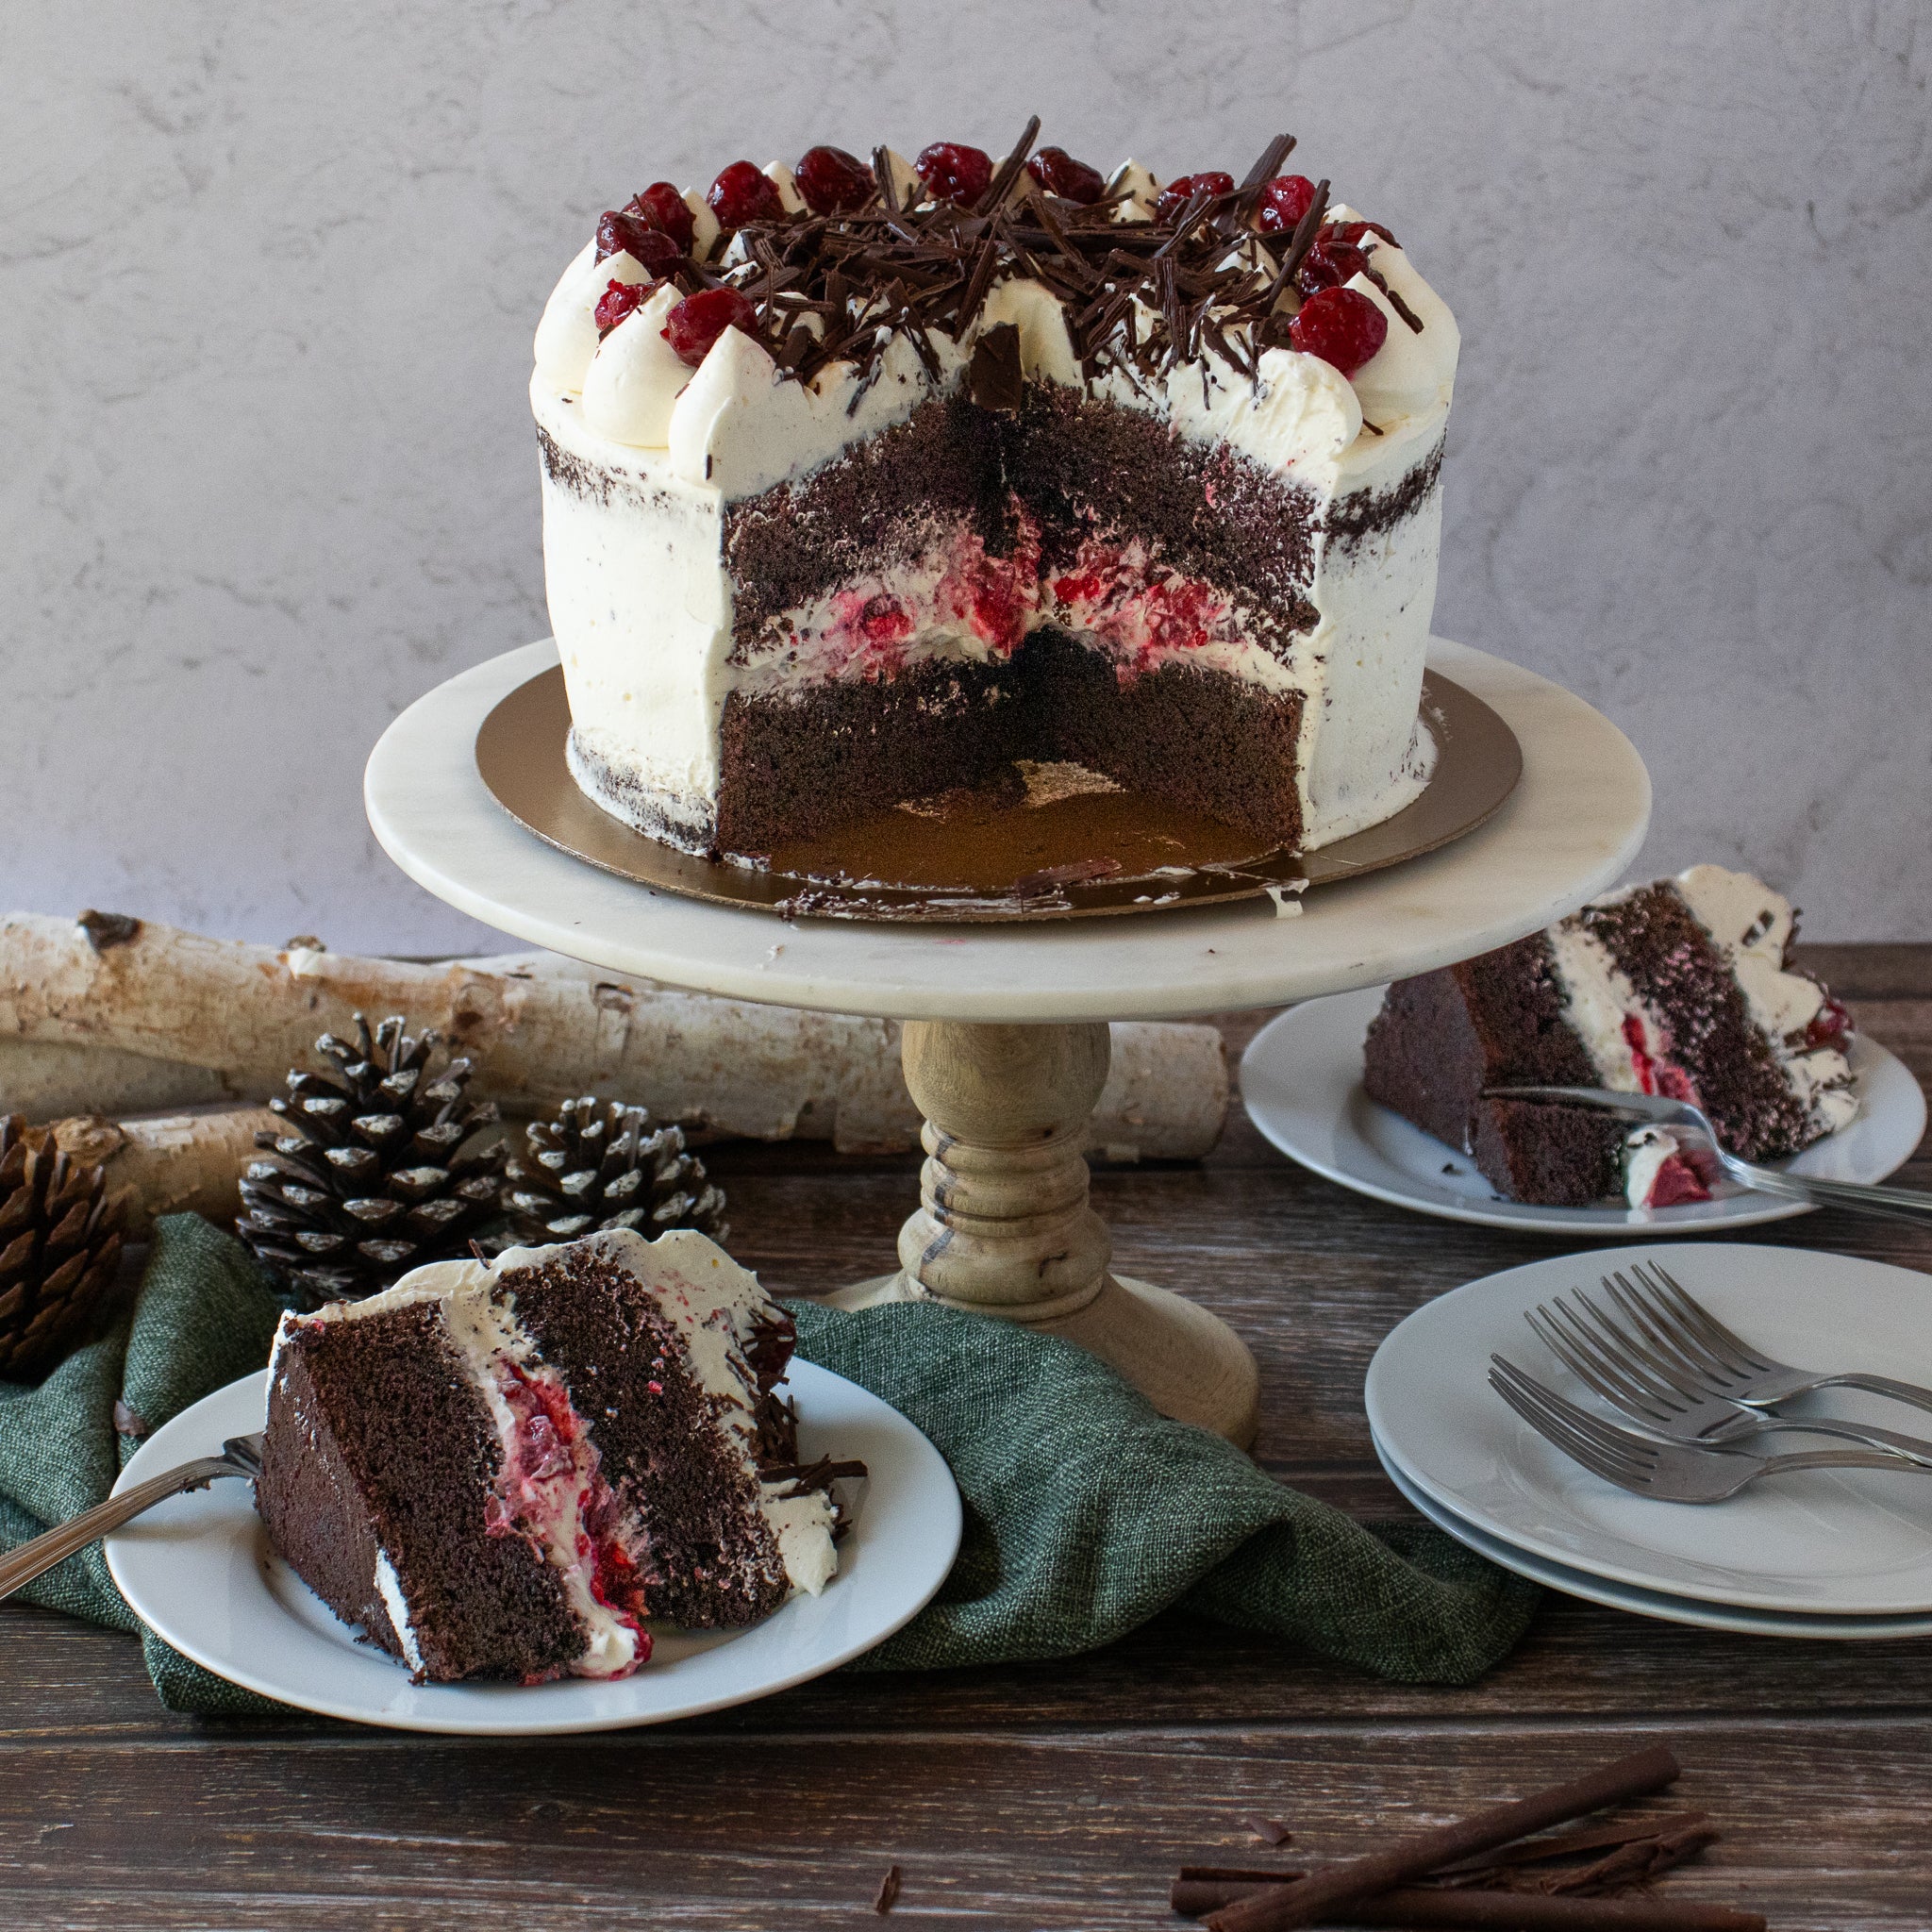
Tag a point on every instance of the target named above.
point(1058, 1794)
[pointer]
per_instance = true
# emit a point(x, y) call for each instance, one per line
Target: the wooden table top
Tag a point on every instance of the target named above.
point(1055, 1794)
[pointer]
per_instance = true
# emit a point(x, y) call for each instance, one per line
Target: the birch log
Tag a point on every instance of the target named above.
point(120, 992)
point(185, 1164)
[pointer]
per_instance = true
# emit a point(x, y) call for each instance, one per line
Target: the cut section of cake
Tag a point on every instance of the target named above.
point(861, 491)
point(502, 1469)
point(1683, 988)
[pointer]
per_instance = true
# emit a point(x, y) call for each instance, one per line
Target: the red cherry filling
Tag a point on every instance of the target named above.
point(619, 300)
point(1183, 188)
point(831, 181)
point(1328, 265)
point(622, 232)
point(699, 320)
point(1060, 174)
point(742, 195)
point(663, 207)
point(1354, 231)
point(1676, 1180)
point(1284, 200)
point(954, 172)
point(1341, 326)
point(1829, 1024)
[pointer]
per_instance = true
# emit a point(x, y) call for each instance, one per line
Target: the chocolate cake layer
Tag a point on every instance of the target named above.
point(1203, 743)
point(1496, 1021)
point(376, 1439)
point(1680, 974)
point(881, 504)
point(792, 767)
point(711, 1557)
point(1086, 468)
point(795, 766)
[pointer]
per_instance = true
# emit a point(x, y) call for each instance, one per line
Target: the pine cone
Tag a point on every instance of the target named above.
point(59, 1247)
point(590, 1168)
point(373, 1180)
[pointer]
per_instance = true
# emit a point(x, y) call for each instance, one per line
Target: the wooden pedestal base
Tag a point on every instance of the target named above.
point(1003, 1226)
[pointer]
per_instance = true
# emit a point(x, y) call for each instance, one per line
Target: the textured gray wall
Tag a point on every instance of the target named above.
point(268, 276)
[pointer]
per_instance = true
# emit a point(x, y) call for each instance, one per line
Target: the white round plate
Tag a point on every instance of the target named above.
point(1649, 1603)
point(1568, 830)
point(1835, 1542)
point(1302, 1085)
point(197, 1570)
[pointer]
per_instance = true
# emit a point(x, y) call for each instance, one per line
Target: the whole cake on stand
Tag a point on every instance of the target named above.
point(865, 484)
point(870, 486)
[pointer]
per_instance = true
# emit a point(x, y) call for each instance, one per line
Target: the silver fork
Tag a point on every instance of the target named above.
point(240, 1456)
point(1649, 1383)
point(1891, 1204)
point(1665, 1471)
point(1722, 1362)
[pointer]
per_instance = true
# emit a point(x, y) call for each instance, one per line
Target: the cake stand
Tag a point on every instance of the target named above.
point(1006, 1051)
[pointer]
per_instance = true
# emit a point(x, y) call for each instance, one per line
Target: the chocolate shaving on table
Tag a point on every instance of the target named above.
point(1282, 1907)
point(1634, 1863)
point(1483, 1911)
point(888, 1894)
point(1269, 1830)
point(1565, 1845)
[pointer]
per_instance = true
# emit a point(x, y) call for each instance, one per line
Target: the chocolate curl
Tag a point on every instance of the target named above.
point(1487, 1912)
point(1285, 1906)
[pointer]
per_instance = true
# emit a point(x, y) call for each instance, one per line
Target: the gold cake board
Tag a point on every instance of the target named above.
point(988, 859)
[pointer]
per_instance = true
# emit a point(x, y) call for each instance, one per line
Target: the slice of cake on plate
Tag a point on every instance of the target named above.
point(1682, 988)
point(862, 482)
point(500, 1469)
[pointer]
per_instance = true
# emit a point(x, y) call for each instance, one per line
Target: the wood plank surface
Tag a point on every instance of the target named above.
point(1058, 1794)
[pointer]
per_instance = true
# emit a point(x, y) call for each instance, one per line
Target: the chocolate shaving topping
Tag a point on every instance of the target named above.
point(1141, 297)
point(992, 378)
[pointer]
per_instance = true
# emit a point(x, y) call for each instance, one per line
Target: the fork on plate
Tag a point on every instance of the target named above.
point(1894, 1203)
point(1727, 1365)
point(1665, 1471)
point(240, 1456)
point(1633, 1366)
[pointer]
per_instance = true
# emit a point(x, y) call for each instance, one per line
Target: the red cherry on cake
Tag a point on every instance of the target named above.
point(1060, 174)
point(1829, 1024)
point(618, 300)
point(663, 207)
point(622, 232)
point(1183, 188)
point(1284, 200)
point(831, 181)
point(954, 172)
point(1328, 265)
point(1341, 326)
point(699, 320)
point(741, 194)
point(1354, 231)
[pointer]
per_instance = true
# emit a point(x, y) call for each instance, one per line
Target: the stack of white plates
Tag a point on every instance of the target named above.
point(1822, 1553)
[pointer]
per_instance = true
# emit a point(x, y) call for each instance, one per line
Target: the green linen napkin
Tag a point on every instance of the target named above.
point(1086, 1512)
